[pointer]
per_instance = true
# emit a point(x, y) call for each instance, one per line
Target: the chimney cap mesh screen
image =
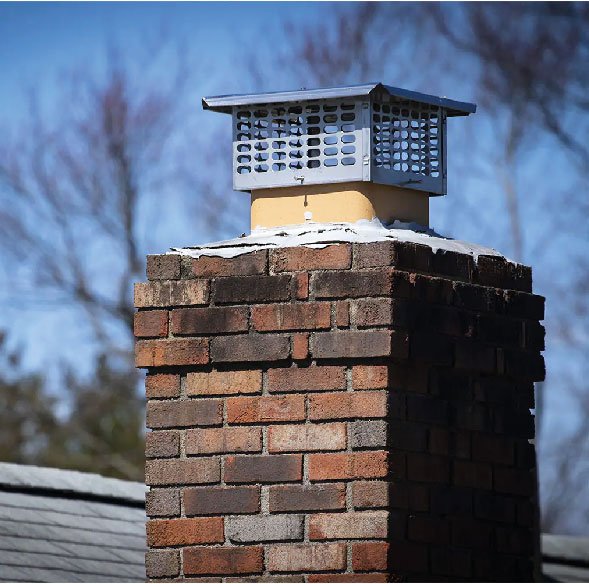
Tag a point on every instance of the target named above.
point(364, 133)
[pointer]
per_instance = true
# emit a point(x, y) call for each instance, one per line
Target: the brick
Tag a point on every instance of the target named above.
point(221, 500)
point(470, 533)
point(472, 297)
point(454, 264)
point(427, 468)
point(410, 496)
point(473, 356)
point(451, 562)
point(534, 336)
point(164, 444)
point(370, 377)
point(472, 474)
point(182, 472)
point(292, 317)
point(162, 502)
point(523, 305)
point(250, 348)
point(368, 434)
point(248, 264)
point(372, 312)
point(171, 293)
point(300, 346)
point(414, 256)
point(515, 540)
point(428, 529)
point(333, 406)
point(374, 254)
point(495, 449)
point(313, 378)
point(204, 321)
point(185, 413)
point(514, 481)
point(431, 348)
point(163, 267)
point(162, 385)
point(524, 365)
point(162, 563)
point(493, 328)
point(170, 352)
point(224, 382)
point(306, 437)
point(223, 440)
point(294, 259)
point(448, 443)
point(376, 577)
point(307, 497)
point(494, 507)
point(262, 528)
point(151, 323)
point(355, 525)
point(427, 409)
point(408, 556)
point(354, 284)
point(472, 416)
point(370, 494)
point(171, 532)
point(301, 283)
point(268, 578)
point(342, 314)
point(350, 344)
point(358, 465)
point(306, 557)
point(407, 436)
point(223, 560)
point(249, 289)
point(276, 468)
point(283, 408)
point(414, 378)
point(401, 284)
point(367, 557)
point(451, 500)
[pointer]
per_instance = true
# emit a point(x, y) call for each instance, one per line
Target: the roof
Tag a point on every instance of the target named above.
point(565, 558)
point(225, 103)
point(68, 526)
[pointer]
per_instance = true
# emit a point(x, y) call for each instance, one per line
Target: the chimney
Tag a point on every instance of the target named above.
point(339, 396)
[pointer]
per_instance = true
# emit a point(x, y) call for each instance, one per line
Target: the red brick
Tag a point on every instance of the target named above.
point(163, 267)
point(221, 500)
point(355, 525)
point(294, 259)
point(359, 344)
point(185, 413)
point(171, 293)
point(472, 474)
point(251, 347)
point(169, 352)
point(367, 557)
point(342, 314)
point(222, 440)
point(372, 312)
point(162, 385)
point(162, 563)
point(151, 323)
point(370, 494)
point(427, 468)
point(248, 264)
point(307, 497)
point(352, 284)
point(244, 410)
point(276, 468)
point(190, 321)
point(333, 406)
point(182, 472)
point(164, 444)
point(224, 382)
point(348, 578)
point(374, 254)
point(428, 529)
point(306, 557)
point(357, 465)
point(370, 377)
point(248, 289)
point(306, 437)
point(219, 560)
point(301, 282)
point(314, 378)
point(171, 532)
point(291, 317)
point(300, 346)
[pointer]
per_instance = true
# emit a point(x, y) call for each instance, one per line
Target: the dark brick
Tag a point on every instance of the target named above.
point(248, 289)
point(307, 498)
point(428, 529)
point(499, 330)
point(163, 267)
point(250, 347)
point(162, 563)
point(374, 254)
point(472, 416)
point(494, 507)
point(450, 500)
point(451, 562)
point(351, 344)
point(473, 356)
point(449, 443)
point(299, 316)
point(472, 474)
point(171, 352)
point(471, 297)
point(183, 414)
point(220, 560)
point(189, 321)
point(294, 259)
point(451, 263)
point(423, 408)
point(495, 449)
point(412, 256)
point(523, 305)
point(514, 481)
point(221, 500)
point(248, 264)
point(427, 468)
point(373, 312)
point(314, 378)
point(515, 540)
point(346, 284)
point(470, 533)
point(162, 503)
point(182, 472)
point(432, 290)
point(274, 468)
point(534, 334)
point(524, 365)
point(408, 556)
point(410, 496)
point(409, 377)
point(431, 348)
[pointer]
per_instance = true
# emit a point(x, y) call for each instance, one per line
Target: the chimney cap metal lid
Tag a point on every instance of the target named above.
point(225, 103)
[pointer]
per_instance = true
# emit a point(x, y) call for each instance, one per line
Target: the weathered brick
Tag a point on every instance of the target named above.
point(355, 284)
point(248, 264)
point(472, 474)
point(223, 440)
point(276, 468)
point(355, 525)
point(171, 293)
point(292, 317)
point(162, 385)
point(307, 497)
point(367, 557)
point(185, 413)
point(306, 437)
point(162, 563)
point(368, 434)
point(162, 502)
point(294, 259)
point(350, 344)
point(301, 284)
point(163, 267)
point(370, 494)
point(170, 352)
point(451, 263)
point(182, 472)
point(523, 305)
point(342, 314)
point(223, 560)
point(427, 468)
point(261, 528)
point(372, 312)
point(221, 500)
point(333, 406)
point(370, 377)
point(224, 382)
point(374, 254)
point(313, 378)
point(372, 577)
point(151, 323)
point(283, 408)
point(203, 321)
point(248, 289)
point(306, 557)
point(171, 532)
point(164, 444)
point(431, 348)
point(358, 465)
point(256, 348)
point(300, 346)
point(534, 336)
point(473, 356)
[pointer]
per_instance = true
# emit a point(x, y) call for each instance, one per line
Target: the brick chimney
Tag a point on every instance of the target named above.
point(339, 402)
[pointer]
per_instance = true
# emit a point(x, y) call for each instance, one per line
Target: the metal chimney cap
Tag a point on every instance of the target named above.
point(225, 103)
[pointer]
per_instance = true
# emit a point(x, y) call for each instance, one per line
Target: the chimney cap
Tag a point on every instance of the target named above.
point(225, 103)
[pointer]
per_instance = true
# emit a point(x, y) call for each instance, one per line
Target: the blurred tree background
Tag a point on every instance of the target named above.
point(88, 181)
